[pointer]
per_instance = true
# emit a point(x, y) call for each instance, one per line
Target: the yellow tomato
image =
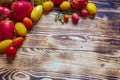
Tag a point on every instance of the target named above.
point(36, 12)
point(91, 8)
point(4, 44)
point(20, 29)
point(65, 5)
point(48, 5)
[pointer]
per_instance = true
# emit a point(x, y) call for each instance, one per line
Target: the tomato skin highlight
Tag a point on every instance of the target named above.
point(11, 51)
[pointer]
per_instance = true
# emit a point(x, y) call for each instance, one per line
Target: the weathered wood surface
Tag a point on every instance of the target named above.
point(87, 51)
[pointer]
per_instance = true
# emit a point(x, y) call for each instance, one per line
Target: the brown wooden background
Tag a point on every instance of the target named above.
point(87, 51)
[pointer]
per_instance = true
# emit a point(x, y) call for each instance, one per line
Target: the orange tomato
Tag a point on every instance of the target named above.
point(17, 42)
point(66, 17)
point(27, 22)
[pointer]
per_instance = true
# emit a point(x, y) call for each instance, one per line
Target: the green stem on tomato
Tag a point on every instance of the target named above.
point(69, 12)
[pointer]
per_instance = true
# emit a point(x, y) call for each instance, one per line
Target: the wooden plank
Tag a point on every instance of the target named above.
point(76, 63)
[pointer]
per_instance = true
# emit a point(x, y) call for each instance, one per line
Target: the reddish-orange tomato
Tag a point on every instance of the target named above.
point(17, 42)
point(27, 22)
point(66, 17)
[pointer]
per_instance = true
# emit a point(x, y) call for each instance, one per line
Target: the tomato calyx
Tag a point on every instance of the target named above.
point(4, 13)
point(2, 16)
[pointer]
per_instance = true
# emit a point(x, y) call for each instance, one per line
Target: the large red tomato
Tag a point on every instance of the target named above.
point(21, 9)
point(57, 2)
point(79, 4)
point(7, 29)
point(4, 13)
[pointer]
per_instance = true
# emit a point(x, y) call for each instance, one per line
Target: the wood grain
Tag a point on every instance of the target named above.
point(53, 51)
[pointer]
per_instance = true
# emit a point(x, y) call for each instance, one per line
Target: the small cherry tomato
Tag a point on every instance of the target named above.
point(91, 8)
point(66, 17)
point(27, 22)
point(20, 29)
point(84, 13)
point(75, 18)
point(11, 52)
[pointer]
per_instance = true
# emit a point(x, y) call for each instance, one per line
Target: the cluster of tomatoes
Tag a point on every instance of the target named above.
point(17, 17)
point(14, 24)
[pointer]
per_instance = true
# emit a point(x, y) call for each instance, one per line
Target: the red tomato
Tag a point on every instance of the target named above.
point(0, 38)
point(4, 13)
point(11, 52)
point(7, 29)
point(21, 9)
point(75, 18)
point(57, 2)
point(27, 22)
point(84, 13)
point(79, 4)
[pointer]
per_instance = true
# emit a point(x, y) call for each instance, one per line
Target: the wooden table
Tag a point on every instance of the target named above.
point(53, 51)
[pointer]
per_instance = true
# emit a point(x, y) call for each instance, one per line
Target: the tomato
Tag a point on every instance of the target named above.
point(91, 8)
point(4, 13)
point(11, 52)
point(27, 22)
point(79, 4)
point(17, 42)
point(21, 9)
point(58, 2)
point(66, 17)
point(20, 29)
point(7, 29)
point(4, 44)
point(36, 13)
point(84, 13)
point(6, 3)
point(0, 38)
point(75, 18)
